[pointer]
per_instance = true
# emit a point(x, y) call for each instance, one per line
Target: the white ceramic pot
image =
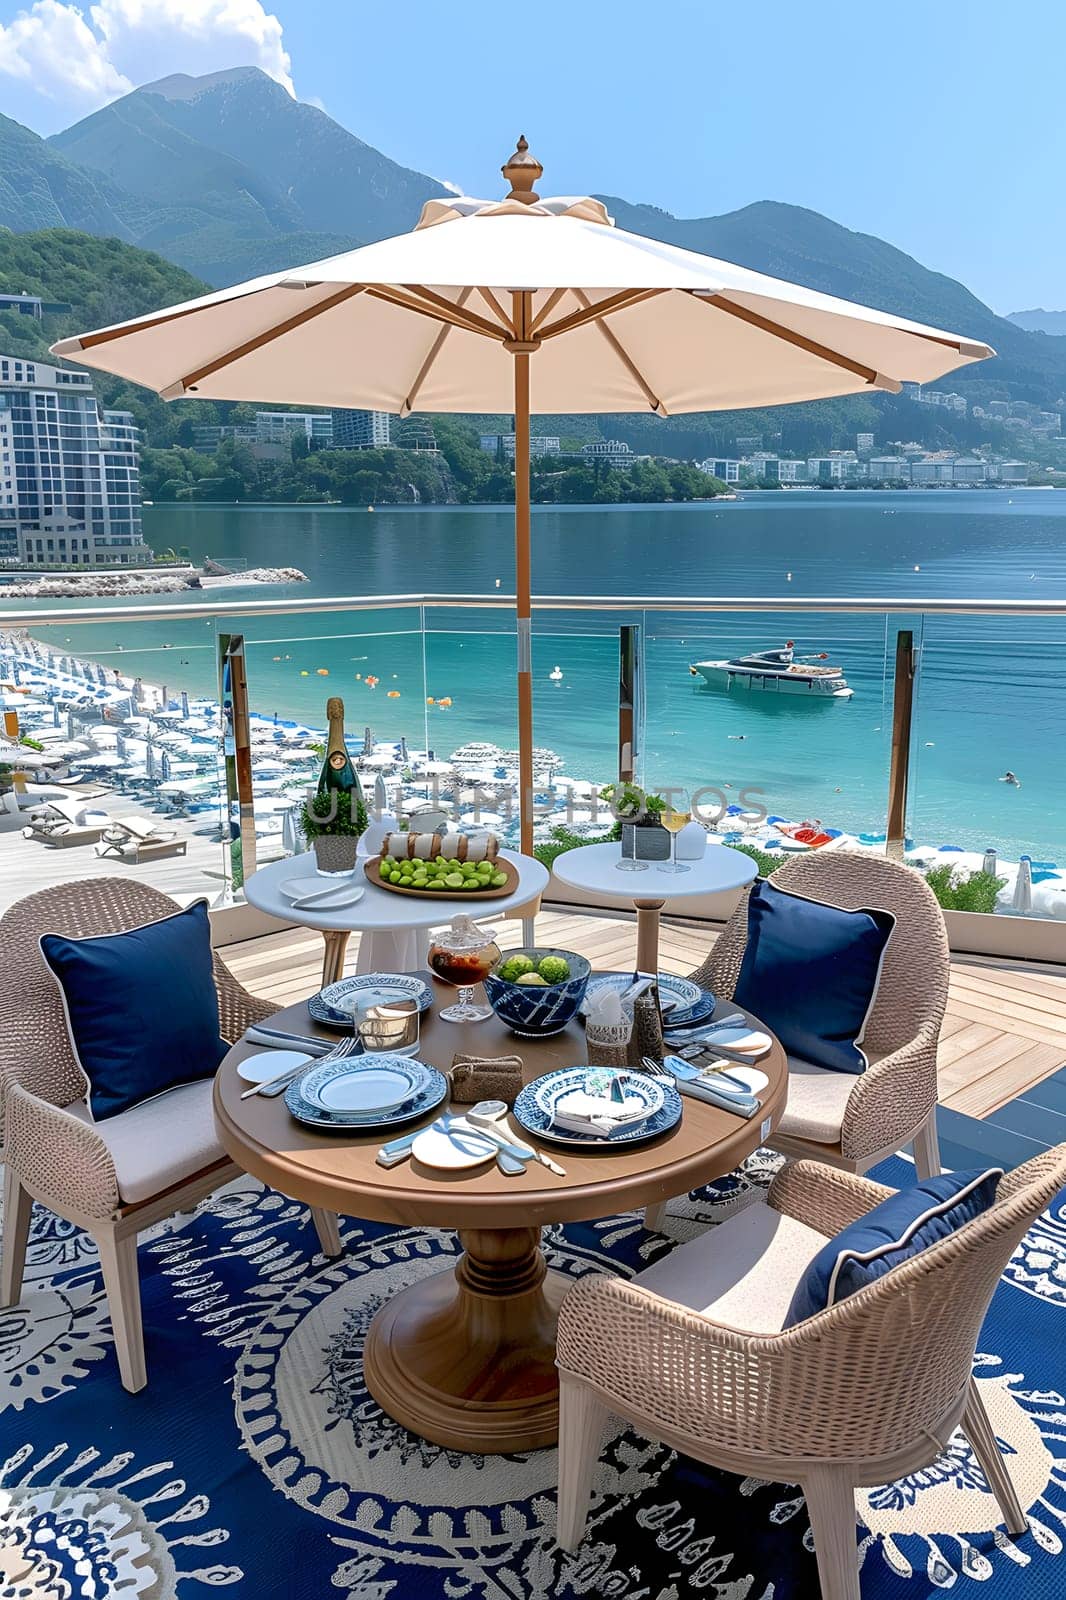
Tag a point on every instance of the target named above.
point(691, 842)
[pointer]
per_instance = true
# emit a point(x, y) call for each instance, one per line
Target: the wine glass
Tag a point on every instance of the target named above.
point(464, 957)
point(673, 822)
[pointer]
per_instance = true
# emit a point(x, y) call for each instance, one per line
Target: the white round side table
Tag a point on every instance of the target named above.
point(593, 868)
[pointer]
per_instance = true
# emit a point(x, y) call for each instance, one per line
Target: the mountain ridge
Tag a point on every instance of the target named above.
point(228, 176)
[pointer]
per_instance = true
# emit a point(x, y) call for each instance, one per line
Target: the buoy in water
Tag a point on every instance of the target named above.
point(446, 701)
point(358, 677)
point(304, 673)
point(322, 672)
point(394, 694)
point(370, 508)
point(917, 569)
point(275, 658)
point(788, 577)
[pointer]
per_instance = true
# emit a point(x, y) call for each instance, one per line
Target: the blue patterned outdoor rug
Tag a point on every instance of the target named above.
point(256, 1463)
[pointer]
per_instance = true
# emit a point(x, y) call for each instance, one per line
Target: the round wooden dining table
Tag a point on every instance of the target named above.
point(466, 1357)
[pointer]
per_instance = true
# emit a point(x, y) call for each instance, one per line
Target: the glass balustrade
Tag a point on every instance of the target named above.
point(125, 758)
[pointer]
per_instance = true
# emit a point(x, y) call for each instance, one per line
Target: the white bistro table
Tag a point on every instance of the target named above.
point(392, 924)
point(593, 868)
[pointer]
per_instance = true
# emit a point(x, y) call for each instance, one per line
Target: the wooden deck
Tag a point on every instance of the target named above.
point(1005, 1028)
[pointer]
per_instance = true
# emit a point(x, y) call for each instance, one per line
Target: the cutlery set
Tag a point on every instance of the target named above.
point(453, 1142)
point(278, 1085)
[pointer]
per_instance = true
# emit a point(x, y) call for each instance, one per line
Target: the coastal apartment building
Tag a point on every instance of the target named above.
point(540, 444)
point(69, 478)
point(361, 430)
point(267, 428)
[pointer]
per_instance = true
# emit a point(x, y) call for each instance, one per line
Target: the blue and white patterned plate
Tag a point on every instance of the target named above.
point(691, 1003)
point(335, 1006)
point(304, 1098)
point(530, 1112)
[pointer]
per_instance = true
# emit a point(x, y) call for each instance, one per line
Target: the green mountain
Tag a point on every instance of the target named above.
point(40, 188)
point(243, 179)
point(806, 247)
point(228, 176)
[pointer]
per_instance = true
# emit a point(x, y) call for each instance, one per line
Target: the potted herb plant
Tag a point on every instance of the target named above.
point(333, 823)
point(643, 836)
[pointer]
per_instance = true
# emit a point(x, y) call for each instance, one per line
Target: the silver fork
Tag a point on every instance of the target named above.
point(276, 1086)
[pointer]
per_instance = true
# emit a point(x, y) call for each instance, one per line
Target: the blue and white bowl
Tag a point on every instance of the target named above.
point(536, 1011)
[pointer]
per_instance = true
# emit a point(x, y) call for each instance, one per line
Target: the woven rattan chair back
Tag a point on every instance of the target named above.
point(34, 1043)
point(912, 992)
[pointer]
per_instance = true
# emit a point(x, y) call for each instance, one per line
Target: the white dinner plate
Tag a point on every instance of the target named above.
point(321, 892)
point(267, 1064)
point(455, 1151)
point(367, 1087)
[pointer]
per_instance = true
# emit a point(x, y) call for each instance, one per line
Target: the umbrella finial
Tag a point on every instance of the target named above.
point(522, 171)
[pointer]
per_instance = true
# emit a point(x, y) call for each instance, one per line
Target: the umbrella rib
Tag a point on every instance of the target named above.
point(602, 308)
point(431, 356)
point(496, 308)
point(546, 310)
point(625, 358)
point(470, 319)
point(811, 346)
point(268, 336)
point(89, 341)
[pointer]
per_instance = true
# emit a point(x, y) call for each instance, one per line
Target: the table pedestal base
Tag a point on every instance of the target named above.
point(648, 934)
point(466, 1358)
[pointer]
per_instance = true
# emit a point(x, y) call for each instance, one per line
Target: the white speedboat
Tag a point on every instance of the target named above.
point(777, 672)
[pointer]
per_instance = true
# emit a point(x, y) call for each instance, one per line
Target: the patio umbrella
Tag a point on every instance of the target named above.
point(1022, 899)
point(518, 306)
point(381, 796)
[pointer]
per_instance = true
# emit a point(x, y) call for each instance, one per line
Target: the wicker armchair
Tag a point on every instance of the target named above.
point(859, 1394)
point(118, 1177)
point(855, 1122)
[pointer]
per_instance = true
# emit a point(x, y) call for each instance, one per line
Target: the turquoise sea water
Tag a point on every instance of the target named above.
point(991, 694)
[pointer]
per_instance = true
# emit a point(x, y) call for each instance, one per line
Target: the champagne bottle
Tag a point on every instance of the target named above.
point(338, 773)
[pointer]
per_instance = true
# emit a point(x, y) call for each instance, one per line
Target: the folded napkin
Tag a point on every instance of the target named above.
point(485, 1078)
point(716, 1088)
point(595, 1115)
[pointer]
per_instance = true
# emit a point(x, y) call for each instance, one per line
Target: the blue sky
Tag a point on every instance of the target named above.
point(935, 124)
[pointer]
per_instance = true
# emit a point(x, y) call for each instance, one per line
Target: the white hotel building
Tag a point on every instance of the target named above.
point(69, 481)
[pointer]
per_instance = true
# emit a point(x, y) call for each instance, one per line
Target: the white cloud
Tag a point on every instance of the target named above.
point(85, 63)
point(446, 183)
point(53, 48)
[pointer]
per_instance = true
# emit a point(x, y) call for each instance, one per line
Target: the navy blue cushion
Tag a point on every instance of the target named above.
point(810, 972)
point(142, 1011)
point(898, 1228)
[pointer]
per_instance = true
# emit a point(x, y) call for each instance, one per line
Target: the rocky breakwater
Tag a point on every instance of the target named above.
point(167, 580)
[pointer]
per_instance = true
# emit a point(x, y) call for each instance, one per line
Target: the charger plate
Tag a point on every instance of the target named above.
point(332, 1096)
point(531, 1113)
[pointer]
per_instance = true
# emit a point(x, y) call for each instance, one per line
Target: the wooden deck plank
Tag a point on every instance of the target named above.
point(1003, 1031)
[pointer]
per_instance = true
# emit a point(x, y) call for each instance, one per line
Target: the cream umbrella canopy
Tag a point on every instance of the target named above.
point(522, 305)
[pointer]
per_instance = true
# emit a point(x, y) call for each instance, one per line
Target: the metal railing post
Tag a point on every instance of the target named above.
point(899, 768)
point(630, 701)
point(237, 750)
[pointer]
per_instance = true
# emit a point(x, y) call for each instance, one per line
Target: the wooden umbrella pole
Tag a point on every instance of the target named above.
point(523, 605)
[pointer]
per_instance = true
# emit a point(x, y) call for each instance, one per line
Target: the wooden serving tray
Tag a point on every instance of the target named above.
point(372, 874)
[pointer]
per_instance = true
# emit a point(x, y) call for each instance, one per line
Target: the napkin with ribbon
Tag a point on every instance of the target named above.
point(596, 1115)
point(485, 1078)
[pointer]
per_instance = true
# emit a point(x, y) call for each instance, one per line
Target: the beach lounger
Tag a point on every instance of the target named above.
point(62, 823)
point(135, 839)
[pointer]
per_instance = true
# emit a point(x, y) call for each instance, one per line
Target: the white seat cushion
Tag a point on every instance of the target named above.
point(817, 1100)
point(742, 1273)
point(160, 1142)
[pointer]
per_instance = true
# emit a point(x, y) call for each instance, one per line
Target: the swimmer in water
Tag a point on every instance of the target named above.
point(1010, 777)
